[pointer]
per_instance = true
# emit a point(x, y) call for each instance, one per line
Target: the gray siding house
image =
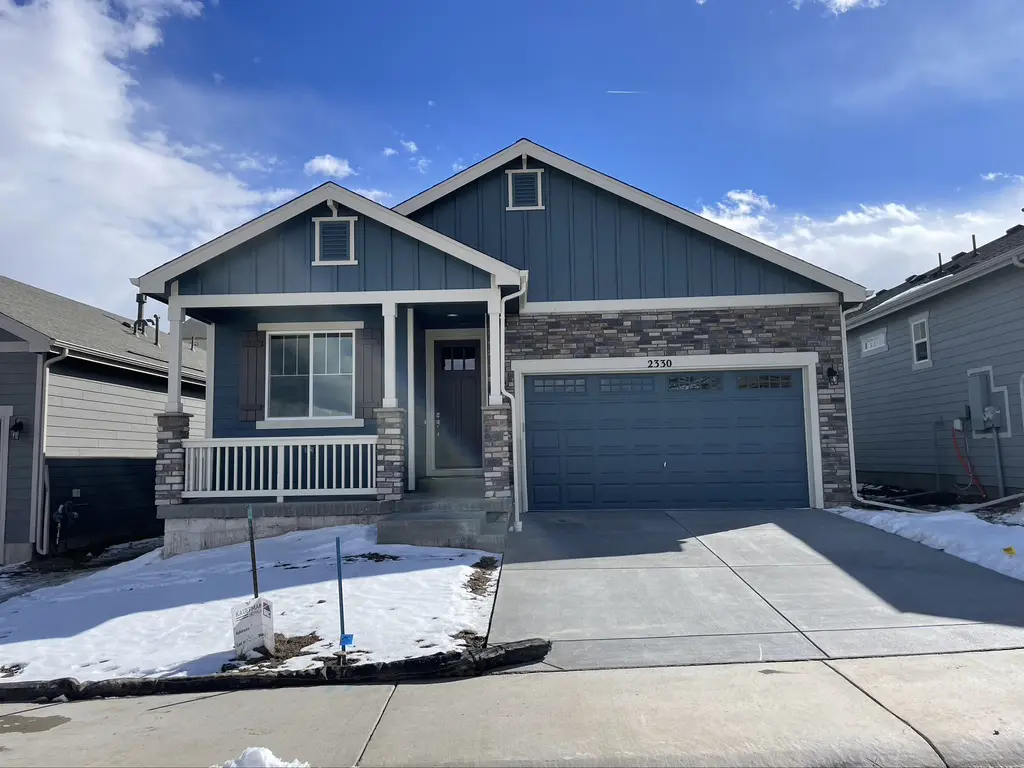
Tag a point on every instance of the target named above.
point(79, 393)
point(937, 373)
point(550, 337)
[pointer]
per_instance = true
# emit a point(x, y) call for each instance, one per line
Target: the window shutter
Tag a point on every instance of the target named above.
point(252, 376)
point(525, 187)
point(335, 240)
point(369, 372)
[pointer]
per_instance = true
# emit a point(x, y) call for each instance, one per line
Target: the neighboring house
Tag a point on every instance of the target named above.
point(924, 352)
point(651, 358)
point(79, 393)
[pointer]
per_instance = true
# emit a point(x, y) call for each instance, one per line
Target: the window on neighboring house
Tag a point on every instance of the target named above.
point(525, 191)
point(310, 375)
point(335, 239)
point(920, 339)
point(873, 343)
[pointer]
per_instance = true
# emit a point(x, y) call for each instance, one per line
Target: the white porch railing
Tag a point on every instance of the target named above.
point(281, 467)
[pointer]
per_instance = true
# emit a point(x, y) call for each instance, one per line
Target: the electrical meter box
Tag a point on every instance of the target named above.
point(984, 413)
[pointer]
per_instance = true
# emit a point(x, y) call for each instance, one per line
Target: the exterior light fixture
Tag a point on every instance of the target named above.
point(16, 428)
point(453, 314)
point(833, 377)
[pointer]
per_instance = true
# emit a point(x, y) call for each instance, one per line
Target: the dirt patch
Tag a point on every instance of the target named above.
point(480, 580)
point(373, 557)
point(470, 639)
point(289, 647)
point(486, 563)
point(10, 670)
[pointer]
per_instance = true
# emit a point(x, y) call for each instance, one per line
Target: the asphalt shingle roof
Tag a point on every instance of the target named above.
point(81, 326)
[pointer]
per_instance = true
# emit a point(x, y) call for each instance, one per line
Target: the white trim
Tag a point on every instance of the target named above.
point(37, 342)
point(38, 425)
point(410, 398)
point(319, 262)
point(681, 303)
point(1021, 387)
point(540, 194)
point(806, 361)
point(6, 412)
point(955, 280)
point(211, 344)
point(294, 421)
point(873, 335)
point(451, 334)
point(176, 316)
point(15, 346)
point(316, 422)
point(330, 298)
point(1007, 430)
point(915, 364)
point(494, 361)
point(390, 314)
point(155, 280)
point(851, 291)
point(340, 325)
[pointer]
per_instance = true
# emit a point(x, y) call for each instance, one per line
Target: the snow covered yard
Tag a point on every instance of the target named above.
point(998, 545)
point(151, 617)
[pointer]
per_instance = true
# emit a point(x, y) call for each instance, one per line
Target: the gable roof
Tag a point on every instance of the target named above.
point(962, 268)
point(850, 290)
point(155, 281)
point(93, 332)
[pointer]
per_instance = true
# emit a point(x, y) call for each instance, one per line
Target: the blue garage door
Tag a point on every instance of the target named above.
point(666, 440)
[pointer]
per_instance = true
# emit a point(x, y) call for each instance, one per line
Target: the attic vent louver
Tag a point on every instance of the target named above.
point(524, 190)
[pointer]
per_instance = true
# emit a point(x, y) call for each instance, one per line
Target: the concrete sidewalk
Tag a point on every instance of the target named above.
point(957, 709)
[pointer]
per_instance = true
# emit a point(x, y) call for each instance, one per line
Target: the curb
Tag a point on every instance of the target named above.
point(468, 663)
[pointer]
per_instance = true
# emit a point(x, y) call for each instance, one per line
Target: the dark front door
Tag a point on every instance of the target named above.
point(458, 427)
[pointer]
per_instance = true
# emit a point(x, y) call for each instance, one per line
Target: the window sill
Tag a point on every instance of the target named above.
point(875, 351)
point(352, 263)
point(922, 365)
point(525, 208)
point(321, 423)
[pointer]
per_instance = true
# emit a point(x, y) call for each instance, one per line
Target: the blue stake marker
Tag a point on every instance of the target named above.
point(346, 640)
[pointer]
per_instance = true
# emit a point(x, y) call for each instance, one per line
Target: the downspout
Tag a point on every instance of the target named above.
point(524, 281)
point(42, 522)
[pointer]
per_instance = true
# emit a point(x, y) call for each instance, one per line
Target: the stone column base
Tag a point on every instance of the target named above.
point(390, 453)
point(171, 429)
point(497, 451)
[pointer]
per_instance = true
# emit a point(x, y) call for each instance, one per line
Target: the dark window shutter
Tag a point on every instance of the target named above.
point(525, 188)
point(369, 371)
point(252, 372)
point(335, 240)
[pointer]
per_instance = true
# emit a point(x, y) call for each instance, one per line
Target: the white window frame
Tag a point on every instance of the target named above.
point(540, 190)
point(308, 421)
point(916, 364)
point(868, 338)
point(351, 260)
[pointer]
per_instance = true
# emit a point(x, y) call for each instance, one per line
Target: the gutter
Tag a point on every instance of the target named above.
point(125, 363)
point(41, 524)
point(517, 522)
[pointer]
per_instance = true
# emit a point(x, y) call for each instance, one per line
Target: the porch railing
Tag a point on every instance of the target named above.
point(280, 467)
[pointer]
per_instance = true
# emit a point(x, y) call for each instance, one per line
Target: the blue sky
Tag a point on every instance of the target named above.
point(862, 135)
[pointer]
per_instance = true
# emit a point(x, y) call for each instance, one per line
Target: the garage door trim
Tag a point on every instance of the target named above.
point(806, 362)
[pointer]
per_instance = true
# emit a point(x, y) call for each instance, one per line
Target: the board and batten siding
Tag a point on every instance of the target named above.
point(18, 390)
point(281, 261)
point(903, 417)
point(588, 244)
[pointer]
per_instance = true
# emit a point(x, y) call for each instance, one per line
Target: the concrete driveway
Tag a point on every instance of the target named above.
point(630, 589)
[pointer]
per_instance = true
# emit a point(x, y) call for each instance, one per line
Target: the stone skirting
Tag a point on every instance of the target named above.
point(390, 453)
point(497, 451)
point(706, 332)
point(172, 428)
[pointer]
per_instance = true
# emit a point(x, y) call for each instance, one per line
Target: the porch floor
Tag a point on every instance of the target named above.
point(447, 488)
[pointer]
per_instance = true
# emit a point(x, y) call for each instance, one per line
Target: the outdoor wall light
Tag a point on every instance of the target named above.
point(16, 427)
point(833, 377)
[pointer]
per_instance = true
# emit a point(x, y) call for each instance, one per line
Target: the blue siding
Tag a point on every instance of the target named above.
point(281, 261)
point(589, 244)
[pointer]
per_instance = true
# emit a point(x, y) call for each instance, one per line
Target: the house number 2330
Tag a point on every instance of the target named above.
point(660, 362)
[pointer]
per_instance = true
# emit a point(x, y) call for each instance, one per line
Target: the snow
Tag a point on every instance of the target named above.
point(991, 545)
point(151, 617)
point(261, 757)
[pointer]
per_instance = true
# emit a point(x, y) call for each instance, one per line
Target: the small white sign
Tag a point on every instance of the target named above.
point(254, 627)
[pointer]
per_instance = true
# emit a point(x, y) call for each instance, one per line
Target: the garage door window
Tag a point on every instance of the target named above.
point(694, 383)
point(766, 381)
point(630, 384)
point(560, 386)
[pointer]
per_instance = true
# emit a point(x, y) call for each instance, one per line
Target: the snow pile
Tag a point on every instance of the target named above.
point(261, 757)
point(151, 617)
point(994, 546)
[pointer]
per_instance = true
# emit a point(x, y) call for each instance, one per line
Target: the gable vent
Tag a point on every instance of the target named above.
point(335, 240)
point(524, 190)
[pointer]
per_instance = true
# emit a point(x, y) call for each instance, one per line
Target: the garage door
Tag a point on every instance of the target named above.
point(666, 440)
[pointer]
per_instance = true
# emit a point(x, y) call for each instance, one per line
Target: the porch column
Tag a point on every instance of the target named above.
point(390, 312)
point(494, 357)
point(177, 316)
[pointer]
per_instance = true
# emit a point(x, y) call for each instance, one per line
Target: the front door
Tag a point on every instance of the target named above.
point(458, 424)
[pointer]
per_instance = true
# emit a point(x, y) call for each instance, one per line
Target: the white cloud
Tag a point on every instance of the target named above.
point(329, 165)
point(377, 195)
point(410, 146)
point(457, 165)
point(218, 78)
point(255, 162)
point(878, 245)
point(420, 163)
point(1000, 176)
point(431, 103)
point(390, 151)
point(72, 151)
point(842, 6)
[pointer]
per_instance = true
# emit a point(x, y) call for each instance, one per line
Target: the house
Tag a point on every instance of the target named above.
point(79, 393)
point(937, 375)
point(530, 318)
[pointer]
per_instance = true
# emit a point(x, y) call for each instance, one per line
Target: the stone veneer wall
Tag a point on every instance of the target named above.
point(706, 332)
point(171, 429)
point(497, 451)
point(390, 453)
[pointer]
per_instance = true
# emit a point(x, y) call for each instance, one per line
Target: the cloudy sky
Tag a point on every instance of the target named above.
point(863, 135)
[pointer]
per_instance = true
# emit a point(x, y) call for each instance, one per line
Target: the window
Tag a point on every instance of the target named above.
point(552, 386)
point(920, 342)
point(459, 358)
point(524, 190)
point(310, 375)
point(873, 343)
point(632, 384)
point(335, 240)
point(693, 383)
point(766, 381)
